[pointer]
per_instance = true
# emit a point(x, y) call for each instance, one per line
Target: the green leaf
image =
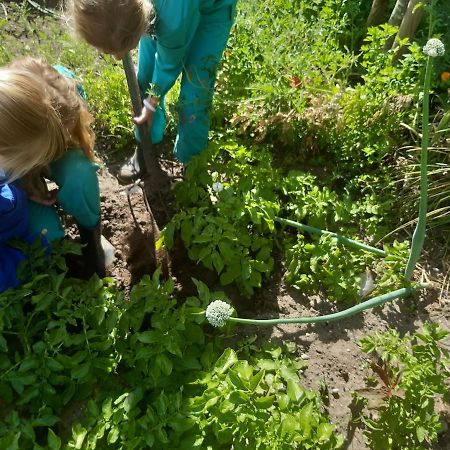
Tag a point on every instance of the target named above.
point(421, 433)
point(148, 337)
point(78, 434)
point(81, 372)
point(53, 441)
point(3, 344)
point(306, 414)
point(186, 232)
point(228, 359)
point(217, 262)
point(232, 272)
point(283, 401)
point(294, 391)
point(324, 432)
point(289, 425)
point(256, 380)
point(264, 402)
point(10, 442)
point(113, 435)
point(164, 363)
point(239, 397)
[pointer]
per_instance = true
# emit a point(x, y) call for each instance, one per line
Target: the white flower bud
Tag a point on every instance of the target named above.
point(218, 312)
point(434, 47)
point(217, 186)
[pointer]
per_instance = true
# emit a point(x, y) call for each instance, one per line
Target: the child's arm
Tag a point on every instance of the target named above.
point(176, 25)
point(13, 224)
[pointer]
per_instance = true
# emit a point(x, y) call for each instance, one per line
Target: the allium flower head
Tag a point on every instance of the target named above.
point(218, 312)
point(434, 47)
point(217, 186)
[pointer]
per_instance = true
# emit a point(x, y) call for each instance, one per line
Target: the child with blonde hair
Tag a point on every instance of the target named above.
point(45, 131)
point(175, 37)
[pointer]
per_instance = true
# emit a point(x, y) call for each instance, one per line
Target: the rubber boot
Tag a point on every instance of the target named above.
point(134, 168)
point(92, 258)
point(92, 251)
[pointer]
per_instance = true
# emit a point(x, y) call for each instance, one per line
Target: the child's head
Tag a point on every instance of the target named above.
point(31, 133)
point(112, 26)
point(75, 116)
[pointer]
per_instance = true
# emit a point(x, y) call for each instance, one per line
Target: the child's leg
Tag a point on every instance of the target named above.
point(146, 66)
point(197, 85)
point(79, 194)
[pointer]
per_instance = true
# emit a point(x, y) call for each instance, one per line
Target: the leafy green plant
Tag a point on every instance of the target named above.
point(229, 218)
point(83, 368)
point(258, 402)
point(407, 419)
point(324, 265)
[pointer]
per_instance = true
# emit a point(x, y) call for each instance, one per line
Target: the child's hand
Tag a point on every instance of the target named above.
point(37, 189)
point(146, 117)
point(49, 198)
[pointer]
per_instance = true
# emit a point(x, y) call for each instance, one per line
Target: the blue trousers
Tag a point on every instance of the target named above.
point(197, 83)
point(78, 196)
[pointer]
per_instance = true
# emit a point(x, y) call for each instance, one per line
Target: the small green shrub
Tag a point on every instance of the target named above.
point(407, 419)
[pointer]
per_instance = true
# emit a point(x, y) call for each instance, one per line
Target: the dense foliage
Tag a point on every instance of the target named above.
point(415, 372)
point(83, 368)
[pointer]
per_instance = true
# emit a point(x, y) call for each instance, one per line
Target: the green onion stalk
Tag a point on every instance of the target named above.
point(218, 313)
point(433, 49)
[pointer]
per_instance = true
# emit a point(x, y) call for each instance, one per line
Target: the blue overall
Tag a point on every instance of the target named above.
point(190, 36)
point(13, 224)
point(78, 195)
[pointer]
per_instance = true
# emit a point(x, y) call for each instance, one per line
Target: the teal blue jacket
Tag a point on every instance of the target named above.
point(176, 24)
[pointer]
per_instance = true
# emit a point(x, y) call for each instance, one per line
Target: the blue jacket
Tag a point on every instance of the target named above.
point(13, 224)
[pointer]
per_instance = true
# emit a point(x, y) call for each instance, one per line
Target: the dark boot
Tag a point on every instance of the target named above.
point(92, 258)
point(134, 168)
point(92, 251)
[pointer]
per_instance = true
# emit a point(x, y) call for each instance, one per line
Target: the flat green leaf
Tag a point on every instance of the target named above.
point(78, 434)
point(264, 402)
point(164, 363)
point(53, 441)
point(324, 432)
point(10, 442)
point(289, 425)
point(421, 433)
point(294, 391)
point(228, 359)
point(113, 435)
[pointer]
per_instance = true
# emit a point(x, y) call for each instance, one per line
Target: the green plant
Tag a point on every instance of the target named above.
point(343, 274)
point(227, 219)
point(407, 418)
point(258, 402)
point(83, 368)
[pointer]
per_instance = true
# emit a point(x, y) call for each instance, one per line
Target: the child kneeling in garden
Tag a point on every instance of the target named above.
point(45, 131)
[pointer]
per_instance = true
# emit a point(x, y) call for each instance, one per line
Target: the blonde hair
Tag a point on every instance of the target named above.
point(31, 133)
point(75, 116)
point(112, 26)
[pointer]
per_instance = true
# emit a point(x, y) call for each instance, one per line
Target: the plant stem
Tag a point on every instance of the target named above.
point(419, 233)
point(342, 239)
point(371, 303)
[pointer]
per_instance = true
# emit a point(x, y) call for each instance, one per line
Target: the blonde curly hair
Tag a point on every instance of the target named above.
point(75, 116)
point(112, 26)
point(31, 132)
